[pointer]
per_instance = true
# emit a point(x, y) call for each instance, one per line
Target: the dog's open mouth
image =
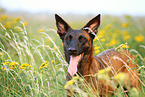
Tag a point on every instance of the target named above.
point(73, 63)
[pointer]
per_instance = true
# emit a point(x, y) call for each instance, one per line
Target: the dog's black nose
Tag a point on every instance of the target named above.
point(72, 51)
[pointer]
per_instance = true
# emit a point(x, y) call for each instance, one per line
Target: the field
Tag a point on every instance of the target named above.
point(32, 62)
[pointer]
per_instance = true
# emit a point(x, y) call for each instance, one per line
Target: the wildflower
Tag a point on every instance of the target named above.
point(24, 66)
point(125, 46)
point(103, 74)
point(99, 36)
point(20, 71)
point(126, 37)
point(124, 25)
point(25, 23)
point(1, 54)
point(68, 83)
point(139, 38)
point(103, 40)
point(97, 47)
point(108, 26)
point(71, 81)
point(102, 33)
point(4, 16)
point(97, 51)
point(6, 63)
point(45, 64)
point(103, 71)
point(52, 61)
point(13, 63)
point(127, 16)
point(125, 33)
point(12, 67)
point(5, 68)
point(41, 30)
point(18, 29)
point(113, 42)
point(121, 76)
point(8, 24)
point(17, 19)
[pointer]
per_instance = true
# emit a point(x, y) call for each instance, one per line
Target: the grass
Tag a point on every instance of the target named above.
point(32, 61)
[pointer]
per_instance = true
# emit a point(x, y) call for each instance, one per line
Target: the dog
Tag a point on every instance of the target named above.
point(78, 50)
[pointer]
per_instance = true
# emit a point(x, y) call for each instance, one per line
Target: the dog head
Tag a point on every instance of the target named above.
point(76, 43)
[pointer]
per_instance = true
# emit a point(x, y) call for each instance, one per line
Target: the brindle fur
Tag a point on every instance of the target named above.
point(81, 41)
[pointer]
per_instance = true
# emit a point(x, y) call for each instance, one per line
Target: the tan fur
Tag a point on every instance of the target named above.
point(111, 58)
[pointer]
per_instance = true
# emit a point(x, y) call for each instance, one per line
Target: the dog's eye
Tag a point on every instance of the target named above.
point(82, 38)
point(69, 38)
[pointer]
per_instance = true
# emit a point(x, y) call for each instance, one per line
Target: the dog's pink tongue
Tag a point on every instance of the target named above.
point(72, 69)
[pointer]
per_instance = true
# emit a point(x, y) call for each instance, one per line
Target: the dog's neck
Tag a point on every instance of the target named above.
point(84, 65)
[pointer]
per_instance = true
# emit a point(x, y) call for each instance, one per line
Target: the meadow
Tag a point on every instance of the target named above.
point(32, 62)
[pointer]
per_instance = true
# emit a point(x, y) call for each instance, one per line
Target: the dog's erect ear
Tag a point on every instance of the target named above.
point(92, 26)
point(62, 26)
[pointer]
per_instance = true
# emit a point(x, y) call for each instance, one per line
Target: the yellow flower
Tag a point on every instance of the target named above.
point(5, 68)
point(68, 83)
point(108, 26)
point(17, 19)
point(97, 47)
point(45, 64)
point(97, 51)
point(52, 61)
point(103, 40)
point(24, 65)
point(18, 29)
point(40, 68)
point(12, 67)
point(125, 33)
point(20, 71)
point(25, 23)
point(1, 54)
point(103, 71)
point(139, 38)
point(8, 24)
point(6, 63)
point(13, 63)
point(24, 68)
point(113, 42)
point(125, 46)
point(4, 16)
point(126, 37)
point(121, 76)
point(125, 25)
point(41, 30)
point(102, 33)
